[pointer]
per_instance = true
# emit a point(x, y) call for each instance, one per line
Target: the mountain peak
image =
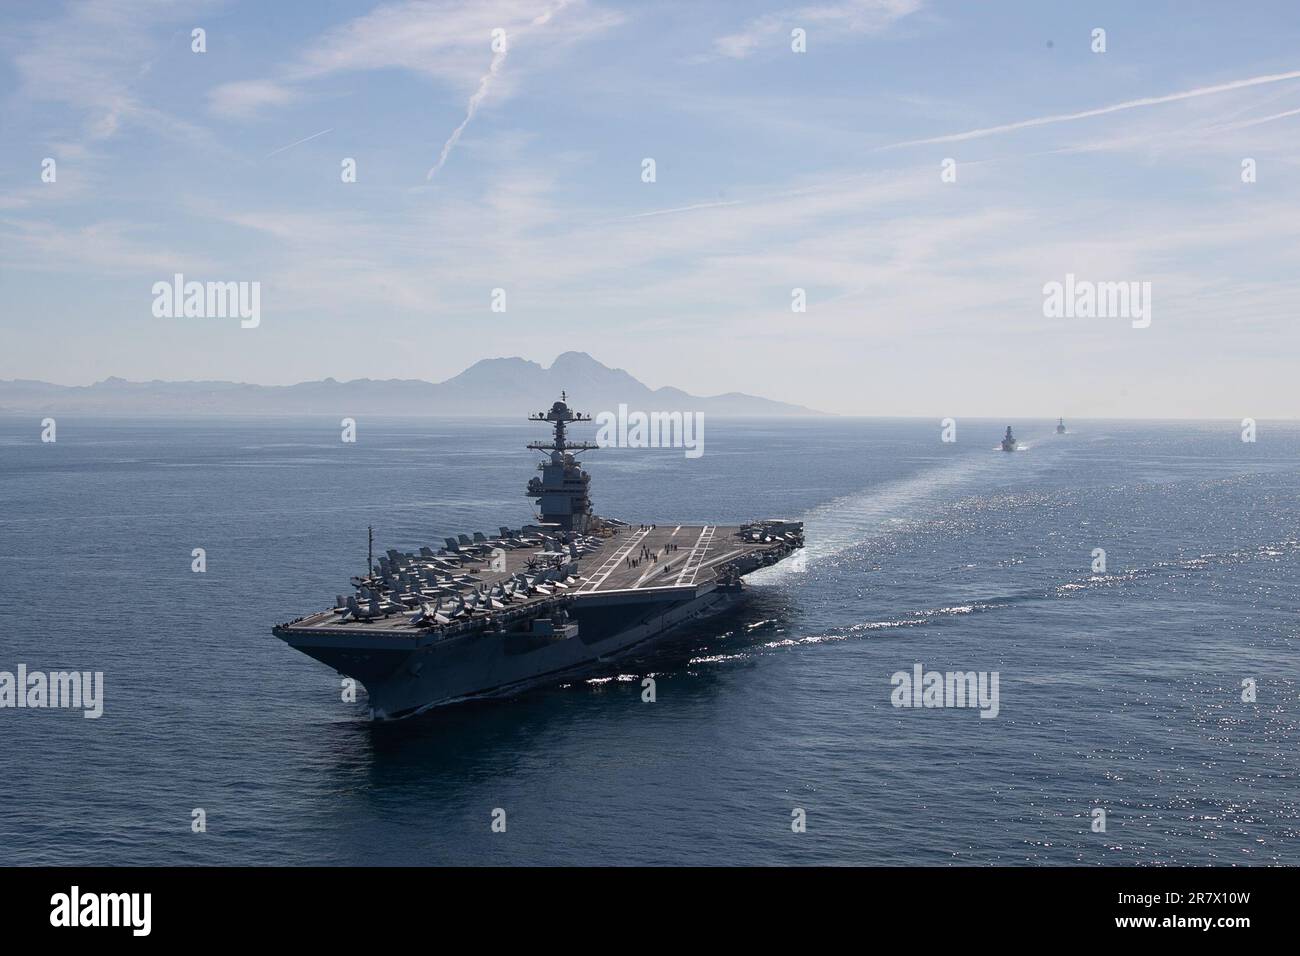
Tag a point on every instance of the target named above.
point(576, 361)
point(496, 386)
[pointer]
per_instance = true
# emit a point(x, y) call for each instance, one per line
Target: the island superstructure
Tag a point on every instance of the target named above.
point(493, 615)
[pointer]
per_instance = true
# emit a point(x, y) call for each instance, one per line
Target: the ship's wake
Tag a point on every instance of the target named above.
point(768, 634)
point(853, 520)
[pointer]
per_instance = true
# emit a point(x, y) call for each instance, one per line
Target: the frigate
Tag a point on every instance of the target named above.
point(1009, 442)
point(489, 616)
point(1060, 426)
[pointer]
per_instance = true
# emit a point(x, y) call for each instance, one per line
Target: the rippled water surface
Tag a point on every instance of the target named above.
point(1118, 689)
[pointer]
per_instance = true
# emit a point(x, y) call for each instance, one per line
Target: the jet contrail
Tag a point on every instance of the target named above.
point(498, 59)
point(676, 209)
point(1256, 122)
point(299, 143)
point(474, 101)
point(1099, 111)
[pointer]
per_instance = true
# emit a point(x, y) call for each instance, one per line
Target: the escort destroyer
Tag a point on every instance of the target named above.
point(490, 616)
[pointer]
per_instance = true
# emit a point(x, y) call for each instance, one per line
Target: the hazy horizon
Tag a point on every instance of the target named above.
point(1168, 158)
point(1012, 416)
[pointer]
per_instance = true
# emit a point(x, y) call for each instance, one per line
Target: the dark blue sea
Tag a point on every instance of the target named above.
point(1119, 690)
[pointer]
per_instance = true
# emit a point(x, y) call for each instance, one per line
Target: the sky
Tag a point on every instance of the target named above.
point(921, 170)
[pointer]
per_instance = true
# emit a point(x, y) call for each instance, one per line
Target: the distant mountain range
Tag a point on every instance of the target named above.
point(491, 387)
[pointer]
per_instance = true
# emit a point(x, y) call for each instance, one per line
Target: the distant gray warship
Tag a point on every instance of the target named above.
point(493, 616)
point(1009, 442)
point(1060, 426)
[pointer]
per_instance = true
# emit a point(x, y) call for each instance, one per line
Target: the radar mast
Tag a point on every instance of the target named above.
point(561, 491)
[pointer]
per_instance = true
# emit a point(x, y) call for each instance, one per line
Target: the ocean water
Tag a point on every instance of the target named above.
point(1119, 690)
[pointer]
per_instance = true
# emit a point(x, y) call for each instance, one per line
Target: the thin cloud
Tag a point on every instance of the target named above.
point(834, 19)
point(1100, 111)
point(65, 60)
point(442, 40)
point(246, 97)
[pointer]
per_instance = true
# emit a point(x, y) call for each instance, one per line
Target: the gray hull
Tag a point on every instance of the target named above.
point(403, 682)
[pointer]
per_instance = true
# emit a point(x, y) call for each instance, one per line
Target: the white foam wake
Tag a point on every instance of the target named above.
point(856, 519)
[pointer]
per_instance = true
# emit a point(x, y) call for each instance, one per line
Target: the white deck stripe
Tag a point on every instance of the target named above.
point(612, 562)
point(696, 555)
point(721, 557)
point(658, 569)
point(655, 569)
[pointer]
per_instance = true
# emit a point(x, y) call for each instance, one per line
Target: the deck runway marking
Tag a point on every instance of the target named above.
point(654, 571)
point(722, 557)
point(612, 562)
point(695, 557)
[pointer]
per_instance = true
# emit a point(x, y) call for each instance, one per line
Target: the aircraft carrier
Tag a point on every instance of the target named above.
point(489, 616)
